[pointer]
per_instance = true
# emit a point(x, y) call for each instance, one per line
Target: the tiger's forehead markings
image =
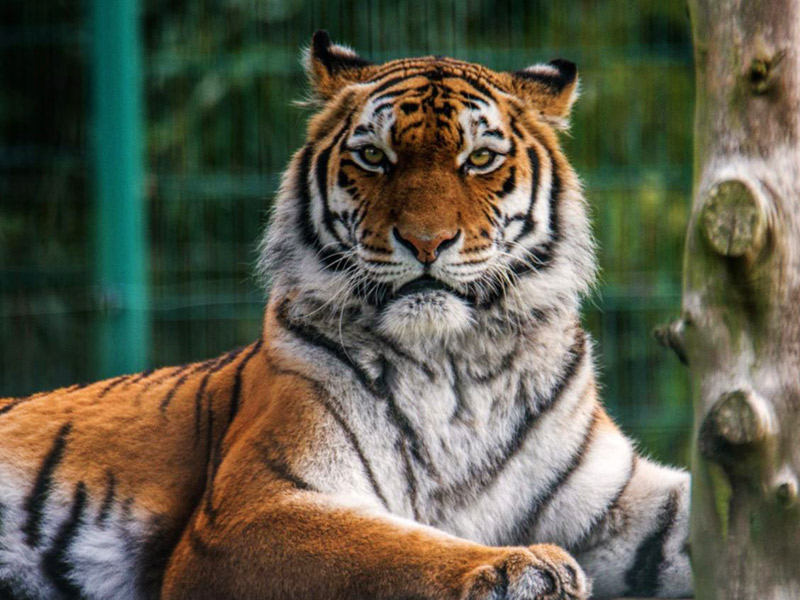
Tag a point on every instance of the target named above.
point(448, 71)
point(458, 113)
point(374, 126)
point(445, 66)
point(485, 122)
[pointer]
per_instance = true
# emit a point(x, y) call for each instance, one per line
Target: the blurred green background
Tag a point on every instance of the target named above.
point(215, 124)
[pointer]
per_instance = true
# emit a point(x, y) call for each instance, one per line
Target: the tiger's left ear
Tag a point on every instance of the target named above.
point(552, 88)
point(330, 67)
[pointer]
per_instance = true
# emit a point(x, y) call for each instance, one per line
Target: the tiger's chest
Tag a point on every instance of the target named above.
point(462, 444)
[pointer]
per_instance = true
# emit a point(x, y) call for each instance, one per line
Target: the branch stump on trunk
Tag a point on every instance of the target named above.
point(740, 328)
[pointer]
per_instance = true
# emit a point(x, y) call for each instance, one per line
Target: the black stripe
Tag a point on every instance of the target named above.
point(213, 461)
point(529, 223)
point(114, 383)
point(305, 223)
point(272, 457)
point(642, 578)
point(401, 422)
point(506, 363)
point(237, 382)
point(397, 135)
point(482, 89)
point(586, 542)
point(398, 351)
point(411, 479)
point(395, 94)
point(108, 499)
point(461, 408)
point(483, 475)
point(173, 372)
point(78, 386)
point(35, 503)
point(433, 73)
point(329, 257)
point(530, 522)
point(55, 561)
point(381, 107)
point(555, 190)
point(321, 172)
point(377, 388)
point(14, 402)
point(510, 183)
point(312, 336)
point(324, 398)
point(401, 66)
point(515, 128)
point(577, 351)
point(541, 257)
point(201, 389)
point(141, 376)
point(214, 451)
point(170, 395)
point(395, 81)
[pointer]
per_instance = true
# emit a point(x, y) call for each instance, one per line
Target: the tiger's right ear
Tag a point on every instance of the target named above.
point(330, 67)
point(552, 88)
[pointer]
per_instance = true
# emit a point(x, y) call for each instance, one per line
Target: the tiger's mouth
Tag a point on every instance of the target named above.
point(420, 285)
point(426, 285)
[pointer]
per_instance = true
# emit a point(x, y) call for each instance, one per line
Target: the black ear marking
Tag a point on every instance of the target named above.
point(334, 58)
point(555, 75)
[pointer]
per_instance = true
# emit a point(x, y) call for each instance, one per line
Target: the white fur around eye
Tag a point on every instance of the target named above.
point(481, 126)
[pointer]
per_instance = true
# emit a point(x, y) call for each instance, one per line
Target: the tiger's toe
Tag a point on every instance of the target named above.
point(536, 573)
point(570, 582)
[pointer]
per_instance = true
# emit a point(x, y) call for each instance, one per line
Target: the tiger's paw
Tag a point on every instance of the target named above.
point(541, 572)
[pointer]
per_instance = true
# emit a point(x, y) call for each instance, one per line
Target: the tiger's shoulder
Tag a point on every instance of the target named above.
point(97, 481)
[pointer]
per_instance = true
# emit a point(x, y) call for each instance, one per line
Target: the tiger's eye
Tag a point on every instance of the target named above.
point(372, 155)
point(481, 158)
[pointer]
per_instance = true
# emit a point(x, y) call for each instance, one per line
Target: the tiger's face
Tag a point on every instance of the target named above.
point(433, 184)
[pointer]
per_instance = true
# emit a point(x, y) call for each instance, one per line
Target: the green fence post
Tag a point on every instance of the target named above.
point(121, 241)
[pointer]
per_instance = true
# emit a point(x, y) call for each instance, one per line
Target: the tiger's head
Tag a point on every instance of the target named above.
point(432, 191)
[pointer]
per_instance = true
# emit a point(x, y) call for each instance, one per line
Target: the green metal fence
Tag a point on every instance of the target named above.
point(218, 78)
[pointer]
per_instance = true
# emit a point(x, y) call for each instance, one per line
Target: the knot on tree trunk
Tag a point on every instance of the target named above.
point(671, 335)
point(733, 219)
point(737, 422)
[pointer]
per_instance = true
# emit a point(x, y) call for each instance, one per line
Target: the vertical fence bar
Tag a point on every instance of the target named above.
point(121, 241)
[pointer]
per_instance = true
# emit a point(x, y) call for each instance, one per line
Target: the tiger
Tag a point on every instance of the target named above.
point(420, 416)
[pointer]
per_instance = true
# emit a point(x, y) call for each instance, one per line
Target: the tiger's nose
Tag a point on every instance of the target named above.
point(426, 248)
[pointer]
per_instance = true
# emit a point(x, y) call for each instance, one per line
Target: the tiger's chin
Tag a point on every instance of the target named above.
point(426, 316)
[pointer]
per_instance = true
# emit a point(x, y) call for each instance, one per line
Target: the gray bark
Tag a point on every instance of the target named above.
point(740, 328)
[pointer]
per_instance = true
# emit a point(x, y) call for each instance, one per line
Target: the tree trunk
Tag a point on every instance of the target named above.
point(740, 328)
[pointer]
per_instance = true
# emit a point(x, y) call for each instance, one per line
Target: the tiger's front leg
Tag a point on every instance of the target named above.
point(265, 534)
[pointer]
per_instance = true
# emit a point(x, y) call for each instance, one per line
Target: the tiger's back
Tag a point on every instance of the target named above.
point(98, 481)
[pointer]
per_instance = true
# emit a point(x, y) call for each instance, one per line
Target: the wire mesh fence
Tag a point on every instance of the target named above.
point(219, 80)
